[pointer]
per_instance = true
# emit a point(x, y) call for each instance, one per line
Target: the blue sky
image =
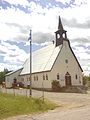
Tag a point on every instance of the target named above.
point(17, 17)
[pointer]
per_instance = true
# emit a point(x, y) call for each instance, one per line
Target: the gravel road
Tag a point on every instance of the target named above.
point(74, 106)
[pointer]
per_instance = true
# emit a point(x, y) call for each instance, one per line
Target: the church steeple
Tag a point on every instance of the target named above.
point(60, 26)
point(60, 34)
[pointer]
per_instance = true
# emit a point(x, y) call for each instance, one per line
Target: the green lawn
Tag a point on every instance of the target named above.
point(11, 105)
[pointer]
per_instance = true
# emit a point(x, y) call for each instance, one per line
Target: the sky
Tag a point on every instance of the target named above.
point(17, 17)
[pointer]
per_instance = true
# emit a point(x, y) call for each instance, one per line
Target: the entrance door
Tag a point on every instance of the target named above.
point(68, 79)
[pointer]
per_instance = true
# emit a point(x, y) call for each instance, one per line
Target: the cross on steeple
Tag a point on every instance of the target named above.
point(60, 33)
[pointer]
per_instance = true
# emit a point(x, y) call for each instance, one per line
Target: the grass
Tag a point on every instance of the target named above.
point(11, 105)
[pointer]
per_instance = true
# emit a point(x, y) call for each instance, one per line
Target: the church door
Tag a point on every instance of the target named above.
point(68, 79)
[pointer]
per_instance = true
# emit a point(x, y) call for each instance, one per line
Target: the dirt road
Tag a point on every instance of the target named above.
point(73, 107)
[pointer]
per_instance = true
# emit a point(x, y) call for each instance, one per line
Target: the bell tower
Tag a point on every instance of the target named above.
point(60, 34)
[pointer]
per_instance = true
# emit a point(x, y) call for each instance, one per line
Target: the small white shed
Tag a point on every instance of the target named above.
point(9, 79)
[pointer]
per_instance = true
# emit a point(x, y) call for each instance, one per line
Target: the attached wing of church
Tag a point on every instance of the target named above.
point(56, 61)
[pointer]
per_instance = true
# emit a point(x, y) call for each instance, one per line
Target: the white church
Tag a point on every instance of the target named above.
point(56, 61)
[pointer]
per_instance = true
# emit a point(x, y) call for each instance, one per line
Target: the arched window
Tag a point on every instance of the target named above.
point(46, 77)
point(57, 76)
point(58, 36)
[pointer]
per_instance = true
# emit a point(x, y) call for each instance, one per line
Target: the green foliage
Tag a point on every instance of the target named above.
point(55, 85)
point(2, 75)
point(86, 79)
point(11, 105)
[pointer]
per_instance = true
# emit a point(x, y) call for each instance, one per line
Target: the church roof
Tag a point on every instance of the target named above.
point(42, 59)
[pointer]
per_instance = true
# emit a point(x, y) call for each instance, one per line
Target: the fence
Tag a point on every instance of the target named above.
point(23, 92)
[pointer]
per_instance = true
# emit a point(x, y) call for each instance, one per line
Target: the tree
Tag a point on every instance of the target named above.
point(2, 75)
point(86, 79)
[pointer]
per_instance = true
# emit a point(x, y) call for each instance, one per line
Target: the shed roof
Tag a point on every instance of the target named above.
point(12, 72)
point(42, 59)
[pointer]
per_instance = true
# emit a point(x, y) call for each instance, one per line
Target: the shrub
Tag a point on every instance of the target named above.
point(55, 85)
point(86, 79)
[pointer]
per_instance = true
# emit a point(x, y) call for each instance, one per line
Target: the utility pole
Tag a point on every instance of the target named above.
point(30, 48)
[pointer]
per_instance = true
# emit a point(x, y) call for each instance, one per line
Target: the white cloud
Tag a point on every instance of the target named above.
point(12, 53)
point(37, 22)
point(63, 1)
point(7, 32)
point(8, 66)
point(11, 15)
point(82, 56)
point(79, 13)
point(17, 2)
point(73, 33)
point(45, 21)
point(80, 2)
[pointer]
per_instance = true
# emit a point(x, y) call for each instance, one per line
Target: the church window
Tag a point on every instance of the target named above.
point(34, 78)
point(58, 76)
point(63, 35)
point(37, 77)
point(46, 77)
point(43, 77)
point(58, 36)
point(76, 76)
point(66, 61)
